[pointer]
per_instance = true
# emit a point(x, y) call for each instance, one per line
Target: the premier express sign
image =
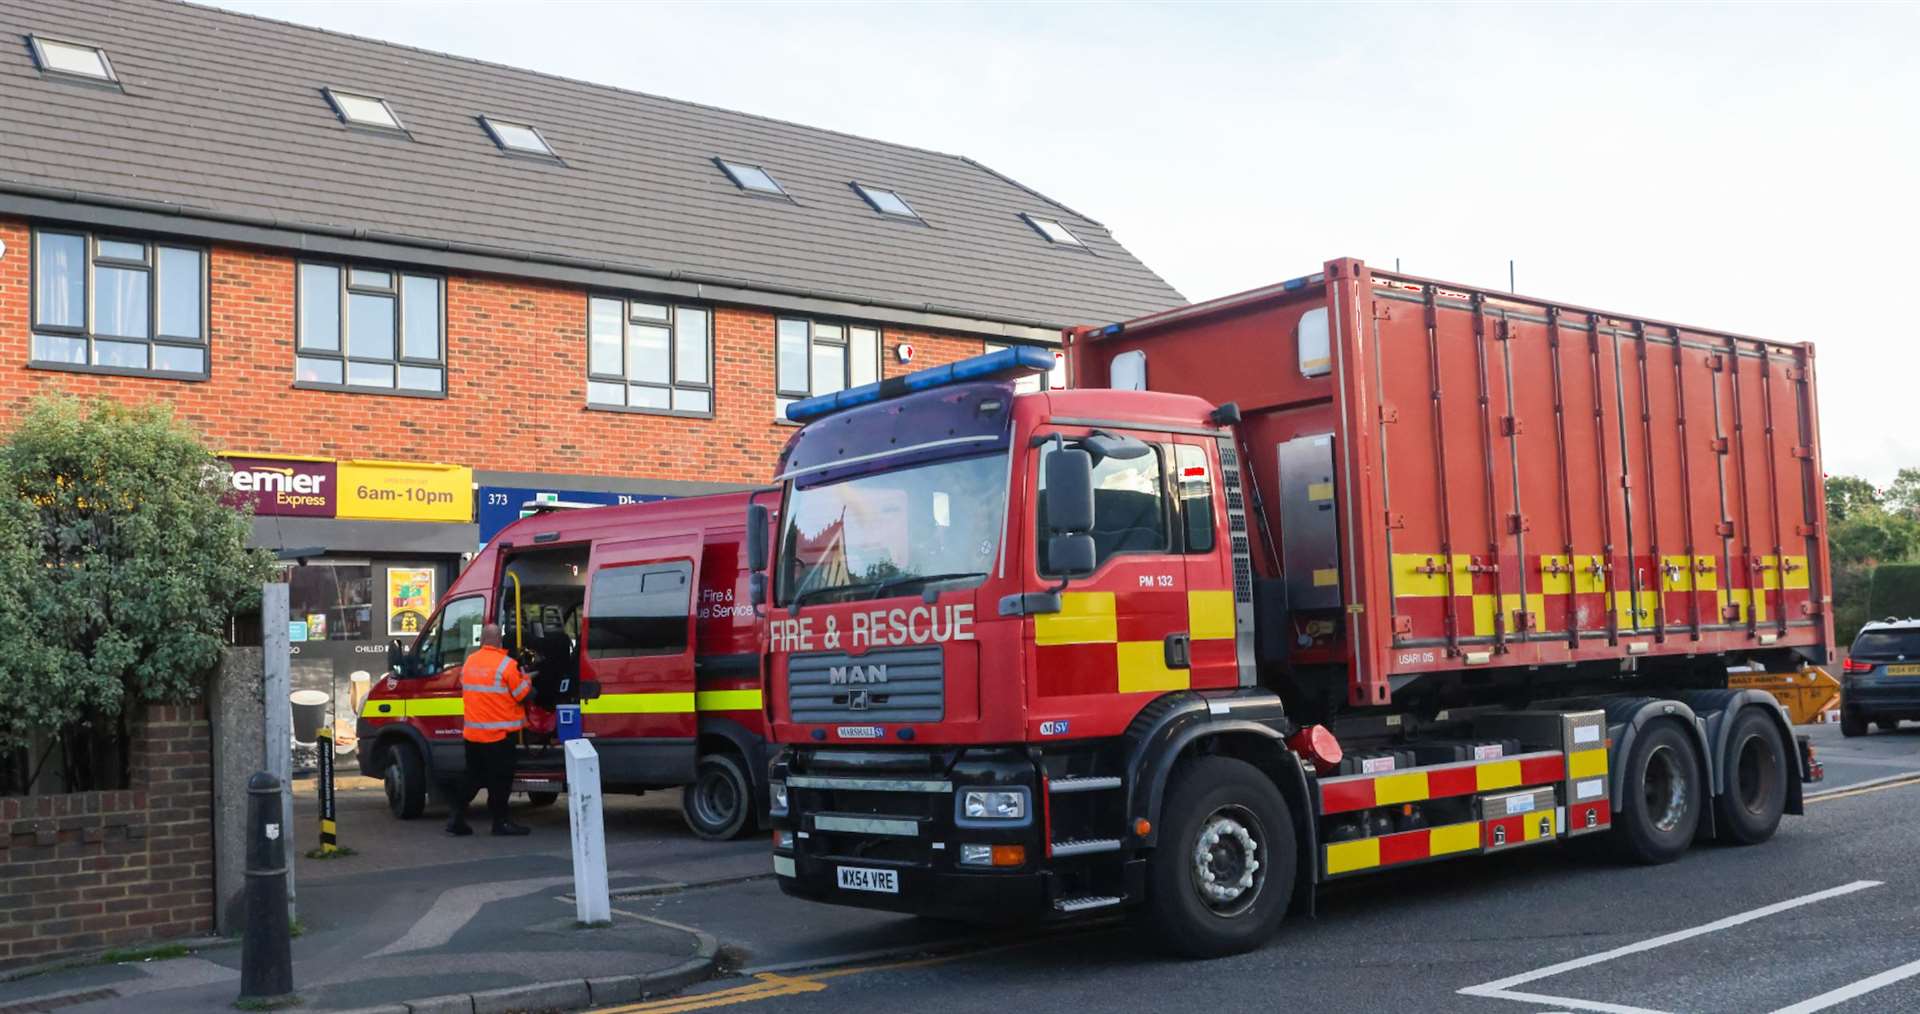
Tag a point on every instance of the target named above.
point(288, 486)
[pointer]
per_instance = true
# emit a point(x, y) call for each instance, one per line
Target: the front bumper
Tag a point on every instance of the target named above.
point(898, 817)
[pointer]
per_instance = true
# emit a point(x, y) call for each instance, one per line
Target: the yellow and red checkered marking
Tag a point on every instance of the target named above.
point(1102, 642)
point(1347, 793)
point(1403, 847)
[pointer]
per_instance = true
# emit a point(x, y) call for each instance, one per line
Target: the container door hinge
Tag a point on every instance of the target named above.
point(1724, 528)
point(1803, 452)
point(1396, 520)
point(1402, 626)
point(1511, 426)
point(1382, 311)
point(1718, 445)
point(1518, 524)
point(1388, 413)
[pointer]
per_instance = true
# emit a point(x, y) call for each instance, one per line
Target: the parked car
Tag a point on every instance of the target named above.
point(1880, 680)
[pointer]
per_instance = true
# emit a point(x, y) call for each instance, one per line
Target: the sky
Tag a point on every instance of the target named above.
point(1751, 169)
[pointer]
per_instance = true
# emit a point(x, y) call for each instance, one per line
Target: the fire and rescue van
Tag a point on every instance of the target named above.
point(1350, 573)
point(636, 613)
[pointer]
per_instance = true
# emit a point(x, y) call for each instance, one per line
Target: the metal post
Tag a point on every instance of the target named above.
point(277, 687)
point(591, 904)
point(323, 744)
point(266, 949)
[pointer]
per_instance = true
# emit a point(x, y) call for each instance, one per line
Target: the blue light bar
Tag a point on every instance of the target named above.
point(1006, 364)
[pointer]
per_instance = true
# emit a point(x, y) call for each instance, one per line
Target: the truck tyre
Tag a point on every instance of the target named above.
point(1852, 724)
point(542, 798)
point(719, 802)
point(1661, 796)
point(405, 779)
point(1222, 875)
point(1755, 772)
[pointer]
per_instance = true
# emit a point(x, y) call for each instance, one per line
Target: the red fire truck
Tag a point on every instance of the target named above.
point(1349, 573)
point(636, 613)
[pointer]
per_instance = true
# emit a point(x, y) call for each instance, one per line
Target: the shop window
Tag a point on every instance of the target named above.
point(649, 357)
point(118, 305)
point(331, 601)
point(1030, 384)
point(1129, 506)
point(370, 329)
point(638, 610)
point(814, 358)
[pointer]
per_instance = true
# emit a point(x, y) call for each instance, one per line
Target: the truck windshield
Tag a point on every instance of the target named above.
point(893, 533)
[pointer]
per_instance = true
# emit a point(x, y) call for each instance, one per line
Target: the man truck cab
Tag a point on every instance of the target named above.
point(636, 613)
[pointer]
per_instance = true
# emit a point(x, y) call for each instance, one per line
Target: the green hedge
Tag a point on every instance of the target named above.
point(1895, 592)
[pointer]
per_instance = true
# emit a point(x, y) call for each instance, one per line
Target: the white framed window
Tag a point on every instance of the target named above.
point(1128, 371)
point(360, 110)
point(367, 328)
point(519, 138)
point(818, 357)
point(886, 202)
point(73, 59)
point(1315, 343)
point(1052, 230)
point(119, 305)
point(751, 178)
point(1056, 379)
point(649, 357)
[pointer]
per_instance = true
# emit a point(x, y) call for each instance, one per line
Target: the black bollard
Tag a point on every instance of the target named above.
point(266, 949)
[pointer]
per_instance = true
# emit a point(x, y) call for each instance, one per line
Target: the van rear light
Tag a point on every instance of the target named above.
point(1849, 665)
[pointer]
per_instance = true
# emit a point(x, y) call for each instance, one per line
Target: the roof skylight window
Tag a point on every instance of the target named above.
point(71, 58)
point(750, 177)
point(886, 202)
point(364, 110)
point(518, 137)
point(1052, 230)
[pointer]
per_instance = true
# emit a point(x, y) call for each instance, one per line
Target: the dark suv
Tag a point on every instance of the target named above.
point(1881, 677)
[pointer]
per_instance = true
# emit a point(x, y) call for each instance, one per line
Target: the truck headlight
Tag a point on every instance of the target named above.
point(993, 804)
point(777, 794)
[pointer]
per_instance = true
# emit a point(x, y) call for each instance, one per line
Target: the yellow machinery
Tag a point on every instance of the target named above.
point(1805, 694)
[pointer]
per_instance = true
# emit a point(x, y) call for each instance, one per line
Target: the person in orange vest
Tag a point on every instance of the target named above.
point(493, 693)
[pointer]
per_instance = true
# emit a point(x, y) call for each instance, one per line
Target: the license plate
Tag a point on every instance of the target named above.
point(859, 878)
point(1903, 670)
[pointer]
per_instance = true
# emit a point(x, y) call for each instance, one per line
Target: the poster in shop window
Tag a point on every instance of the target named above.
point(409, 599)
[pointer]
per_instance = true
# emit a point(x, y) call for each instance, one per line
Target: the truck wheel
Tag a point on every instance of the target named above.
point(1661, 796)
point(542, 798)
point(1755, 771)
point(1852, 724)
point(720, 799)
point(405, 779)
point(1220, 880)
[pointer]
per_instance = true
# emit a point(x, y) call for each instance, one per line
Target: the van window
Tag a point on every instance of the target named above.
point(639, 610)
point(1129, 507)
point(453, 636)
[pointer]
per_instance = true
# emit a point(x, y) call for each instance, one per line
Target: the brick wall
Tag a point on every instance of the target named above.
point(89, 870)
point(516, 382)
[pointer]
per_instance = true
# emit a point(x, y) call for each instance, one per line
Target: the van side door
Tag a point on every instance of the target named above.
point(638, 646)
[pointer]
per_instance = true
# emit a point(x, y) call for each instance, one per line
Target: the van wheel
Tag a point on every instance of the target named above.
point(1221, 877)
point(542, 798)
point(720, 799)
point(405, 779)
point(1660, 796)
point(1755, 771)
point(1852, 724)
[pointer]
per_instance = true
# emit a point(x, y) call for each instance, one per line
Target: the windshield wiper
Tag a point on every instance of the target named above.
point(801, 598)
point(903, 580)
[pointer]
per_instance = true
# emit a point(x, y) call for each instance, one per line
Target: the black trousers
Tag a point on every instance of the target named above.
point(489, 766)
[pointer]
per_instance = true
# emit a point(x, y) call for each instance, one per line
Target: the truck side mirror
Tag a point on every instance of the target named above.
point(1070, 555)
point(757, 589)
point(757, 524)
point(396, 658)
point(1069, 475)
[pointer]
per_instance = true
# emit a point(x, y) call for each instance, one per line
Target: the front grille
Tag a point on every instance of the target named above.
point(887, 685)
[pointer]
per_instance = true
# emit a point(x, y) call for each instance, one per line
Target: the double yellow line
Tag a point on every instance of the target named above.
point(768, 986)
point(1897, 783)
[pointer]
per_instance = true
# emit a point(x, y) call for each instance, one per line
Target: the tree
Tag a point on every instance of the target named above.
point(1848, 495)
point(1903, 497)
point(120, 564)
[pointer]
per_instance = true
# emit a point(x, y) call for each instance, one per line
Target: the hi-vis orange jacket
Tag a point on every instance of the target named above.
point(492, 688)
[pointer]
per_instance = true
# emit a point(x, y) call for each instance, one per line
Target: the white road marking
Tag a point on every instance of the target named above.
point(456, 907)
point(1502, 989)
point(1844, 993)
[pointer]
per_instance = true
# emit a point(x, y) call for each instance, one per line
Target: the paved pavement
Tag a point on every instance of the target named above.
point(415, 914)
